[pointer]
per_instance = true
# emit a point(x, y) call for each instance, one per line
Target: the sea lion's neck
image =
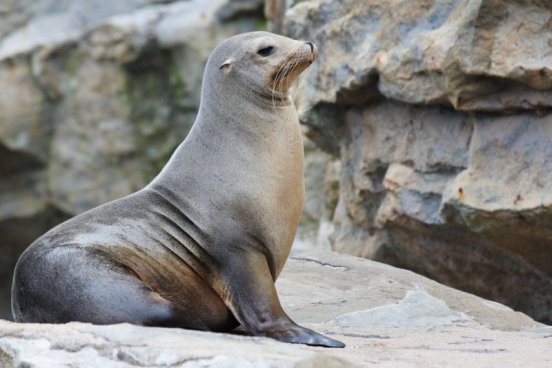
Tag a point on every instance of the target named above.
point(234, 127)
point(245, 120)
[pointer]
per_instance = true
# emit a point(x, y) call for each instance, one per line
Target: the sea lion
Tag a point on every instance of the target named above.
point(201, 246)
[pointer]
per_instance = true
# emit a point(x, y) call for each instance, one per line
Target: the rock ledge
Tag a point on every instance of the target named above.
point(387, 317)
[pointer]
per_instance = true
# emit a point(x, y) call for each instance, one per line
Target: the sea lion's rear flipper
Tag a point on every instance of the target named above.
point(69, 283)
point(251, 296)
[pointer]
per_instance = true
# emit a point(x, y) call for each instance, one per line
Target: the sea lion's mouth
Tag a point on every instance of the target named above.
point(277, 98)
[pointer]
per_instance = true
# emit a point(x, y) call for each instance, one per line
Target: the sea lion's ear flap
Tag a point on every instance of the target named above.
point(227, 65)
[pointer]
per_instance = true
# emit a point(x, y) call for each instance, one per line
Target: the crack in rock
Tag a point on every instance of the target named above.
point(322, 263)
point(364, 336)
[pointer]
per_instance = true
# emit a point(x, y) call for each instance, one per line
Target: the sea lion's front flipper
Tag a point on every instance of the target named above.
point(251, 296)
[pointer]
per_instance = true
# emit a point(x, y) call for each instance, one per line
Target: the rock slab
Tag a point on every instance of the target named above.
point(393, 318)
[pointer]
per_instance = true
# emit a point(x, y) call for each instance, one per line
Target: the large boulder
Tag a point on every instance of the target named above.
point(439, 113)
point(387, 317)
point(95, 97)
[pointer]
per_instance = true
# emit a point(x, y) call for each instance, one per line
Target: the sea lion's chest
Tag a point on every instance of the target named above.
point(282, 192)
point(241, 181)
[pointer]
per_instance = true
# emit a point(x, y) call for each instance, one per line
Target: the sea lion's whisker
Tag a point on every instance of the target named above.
point(278, 78)
point(273, 90)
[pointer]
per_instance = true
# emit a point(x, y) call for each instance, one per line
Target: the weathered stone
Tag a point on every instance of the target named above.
point(275, 12)
point(23, 22)
point(317, 211)
point(439, 112)
point(461, 199)
point(394, 318)
point(473, 55)
point(95, 97)
point(241, 8)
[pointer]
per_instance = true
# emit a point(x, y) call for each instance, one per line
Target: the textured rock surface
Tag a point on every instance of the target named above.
point(439, 112)
point(95, 96)
point(466, 53)
point(394, 318)
point(320, 177)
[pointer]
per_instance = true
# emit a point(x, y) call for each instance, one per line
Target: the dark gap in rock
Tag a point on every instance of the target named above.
point(16, 235)
point(13, 161)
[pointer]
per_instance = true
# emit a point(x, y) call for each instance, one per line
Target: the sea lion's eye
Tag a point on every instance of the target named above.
point(266, 51)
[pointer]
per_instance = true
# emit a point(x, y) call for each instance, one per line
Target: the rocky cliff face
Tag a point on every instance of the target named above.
point(95, 96)
point(438, 113)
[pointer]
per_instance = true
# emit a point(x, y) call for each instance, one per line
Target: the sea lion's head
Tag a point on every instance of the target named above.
point(259, 64)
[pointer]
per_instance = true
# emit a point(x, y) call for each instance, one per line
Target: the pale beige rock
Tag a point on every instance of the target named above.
point(23, 22)
point(318, 211)
point(393, 319)
point(474, 55)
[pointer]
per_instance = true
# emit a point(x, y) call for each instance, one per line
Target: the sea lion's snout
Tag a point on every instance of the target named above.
point(295, 56)
point(313, 51)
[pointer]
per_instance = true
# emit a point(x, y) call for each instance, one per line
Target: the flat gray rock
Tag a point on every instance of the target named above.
point(388, 317)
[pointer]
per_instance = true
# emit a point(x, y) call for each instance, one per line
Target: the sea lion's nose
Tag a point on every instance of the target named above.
point(311, 45)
